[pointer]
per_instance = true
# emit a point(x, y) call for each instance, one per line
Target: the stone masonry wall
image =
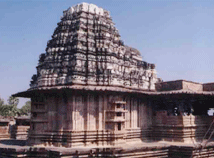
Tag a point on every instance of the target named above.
point(208, 87)
point(192, 86)
point(178, 85)
point(84, 112)
point(167, 86)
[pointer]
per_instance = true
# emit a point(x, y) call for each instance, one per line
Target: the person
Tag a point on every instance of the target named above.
point(90, 154)
point(76, 154)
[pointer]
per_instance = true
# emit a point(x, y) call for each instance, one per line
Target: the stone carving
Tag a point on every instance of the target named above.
point(86, 49)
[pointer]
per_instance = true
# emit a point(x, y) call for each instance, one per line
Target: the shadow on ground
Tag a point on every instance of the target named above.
point(14, 142)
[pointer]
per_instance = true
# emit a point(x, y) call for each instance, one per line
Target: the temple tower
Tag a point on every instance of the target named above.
point(86, 49)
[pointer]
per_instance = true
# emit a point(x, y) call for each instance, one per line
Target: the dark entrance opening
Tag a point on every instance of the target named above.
point(119, 126)
point(119, 113)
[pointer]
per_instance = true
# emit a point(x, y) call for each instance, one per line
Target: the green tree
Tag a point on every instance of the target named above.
point(1, 101)
point(1, 105)
point(10, 109)
point(25, 110)
point(13, 101)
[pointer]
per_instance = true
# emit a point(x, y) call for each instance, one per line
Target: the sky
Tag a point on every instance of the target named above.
point(176, 35)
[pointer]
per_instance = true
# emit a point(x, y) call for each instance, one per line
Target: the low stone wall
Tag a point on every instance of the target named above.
point(208, 87)
point(4, 132)
point(180, 128)
point(134, 152)
point(20, 132)
point(191, 152)
point(178, 85)
point(145, 152)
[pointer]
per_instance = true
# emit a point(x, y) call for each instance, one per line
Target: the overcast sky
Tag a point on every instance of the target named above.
point(176, 35)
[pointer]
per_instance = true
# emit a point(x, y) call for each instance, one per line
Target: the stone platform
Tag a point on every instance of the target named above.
point(18, 148)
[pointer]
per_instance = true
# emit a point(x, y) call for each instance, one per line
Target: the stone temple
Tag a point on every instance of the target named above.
point(92, 89)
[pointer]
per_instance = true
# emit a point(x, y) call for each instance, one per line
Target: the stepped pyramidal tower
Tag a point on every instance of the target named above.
point(86, 49)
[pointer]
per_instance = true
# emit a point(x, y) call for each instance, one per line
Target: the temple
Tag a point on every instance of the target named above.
point(92, 89)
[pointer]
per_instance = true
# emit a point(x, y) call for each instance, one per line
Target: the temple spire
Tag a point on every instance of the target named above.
point(86, 49)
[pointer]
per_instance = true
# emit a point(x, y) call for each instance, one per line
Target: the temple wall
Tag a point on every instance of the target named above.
point(134, 113)
point(72, 101)
point(61, 114)
point(92, 112)
point(178, 85)
point(70, 122)
point(65, 112)
point(100, 122)
point(208, 87)
point(131, 113)
point(40, 117)
point(79, 113)
point(180, 128)
point(73, 115)
point(145, 116)
point(128, 114)
point(162, 119)
point(105, 105)
point(52, 111)
point(167, 86)
point(192, 86)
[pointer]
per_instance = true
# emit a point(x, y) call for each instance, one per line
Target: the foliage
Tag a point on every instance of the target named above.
point(25, 110)
point(13, 101)
point(10, 109)
point(1, 101)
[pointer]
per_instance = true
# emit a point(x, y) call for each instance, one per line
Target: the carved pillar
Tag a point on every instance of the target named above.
point(85, 99)
point(128, 115)
point(70, 121)
point(51, 112)
point(131, 113)
point(91, 112)
point(105, 104)
point(74, 120)
point(100, 112)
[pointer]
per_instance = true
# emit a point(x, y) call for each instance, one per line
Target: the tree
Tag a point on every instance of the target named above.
point(1, 105)
point(10, 109)
point(13, 101)
point(25, 110)
point(1, 101)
